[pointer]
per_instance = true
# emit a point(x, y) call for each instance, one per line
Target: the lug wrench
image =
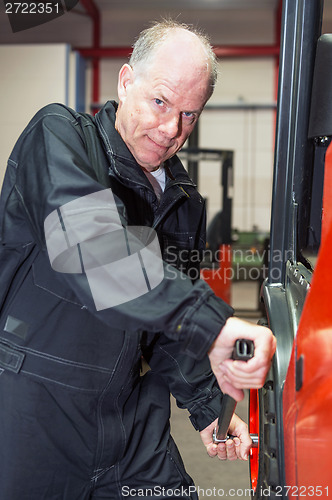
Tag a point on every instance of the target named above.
point(243, 350)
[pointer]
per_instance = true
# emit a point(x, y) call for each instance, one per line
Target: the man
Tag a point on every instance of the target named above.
point(99, 225)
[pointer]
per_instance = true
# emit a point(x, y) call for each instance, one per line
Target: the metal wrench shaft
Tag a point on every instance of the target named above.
point(243, 350)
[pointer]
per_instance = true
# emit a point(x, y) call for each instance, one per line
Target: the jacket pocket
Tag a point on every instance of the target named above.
point(45, 278)
point(178, 250)
point(15, 263)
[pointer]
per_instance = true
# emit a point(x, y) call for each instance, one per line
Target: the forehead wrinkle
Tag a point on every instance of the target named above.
point(164, 87)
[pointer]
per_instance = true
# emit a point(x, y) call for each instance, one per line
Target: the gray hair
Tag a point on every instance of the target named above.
point(151, 38)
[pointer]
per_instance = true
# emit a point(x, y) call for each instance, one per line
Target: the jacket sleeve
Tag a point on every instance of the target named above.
point(52, 193)
point(190, 381)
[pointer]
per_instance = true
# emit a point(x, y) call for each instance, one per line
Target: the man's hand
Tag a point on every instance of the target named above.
point(233, 448)
point(233, 376)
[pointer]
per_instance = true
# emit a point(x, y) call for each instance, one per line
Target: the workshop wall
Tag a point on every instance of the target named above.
point(36, 75)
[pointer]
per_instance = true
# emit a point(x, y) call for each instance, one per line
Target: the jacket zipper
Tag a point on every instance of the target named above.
point(182, 194)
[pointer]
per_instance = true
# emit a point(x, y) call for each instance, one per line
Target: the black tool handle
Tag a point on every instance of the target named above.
point(243, 351)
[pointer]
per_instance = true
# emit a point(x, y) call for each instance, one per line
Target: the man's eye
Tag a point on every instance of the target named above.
point(159, 102)
point(188, 114)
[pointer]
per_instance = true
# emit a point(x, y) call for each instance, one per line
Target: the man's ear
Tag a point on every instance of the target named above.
point(126, 77)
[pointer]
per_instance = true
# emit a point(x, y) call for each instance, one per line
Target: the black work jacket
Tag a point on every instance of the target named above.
point(63, 156)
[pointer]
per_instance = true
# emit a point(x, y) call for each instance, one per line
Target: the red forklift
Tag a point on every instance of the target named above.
point(292, 413)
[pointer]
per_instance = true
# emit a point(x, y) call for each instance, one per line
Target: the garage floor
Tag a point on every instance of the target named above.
point(212, 474)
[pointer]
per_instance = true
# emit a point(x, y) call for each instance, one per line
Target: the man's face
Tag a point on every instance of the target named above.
point(158, 108)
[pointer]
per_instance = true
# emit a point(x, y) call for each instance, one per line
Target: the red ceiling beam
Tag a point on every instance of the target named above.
point(221, 51)
point(246, 51)
point(94, 13)
point(104, 52)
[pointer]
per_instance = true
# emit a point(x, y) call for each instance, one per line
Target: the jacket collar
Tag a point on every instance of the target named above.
point(125, 165)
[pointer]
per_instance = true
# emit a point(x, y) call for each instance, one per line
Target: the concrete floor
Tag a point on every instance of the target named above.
point(212, 474)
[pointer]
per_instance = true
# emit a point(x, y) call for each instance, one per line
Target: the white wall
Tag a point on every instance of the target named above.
point(249, 133)
point(34, 76)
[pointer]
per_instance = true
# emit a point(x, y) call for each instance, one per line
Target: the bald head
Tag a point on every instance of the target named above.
point(174, 42)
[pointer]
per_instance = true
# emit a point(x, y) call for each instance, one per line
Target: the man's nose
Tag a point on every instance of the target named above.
point(171, 126)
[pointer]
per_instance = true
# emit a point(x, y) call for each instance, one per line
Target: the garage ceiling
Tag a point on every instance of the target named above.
point(104, 5)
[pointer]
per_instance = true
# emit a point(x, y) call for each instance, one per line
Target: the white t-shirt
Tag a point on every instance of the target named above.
point(158, 180)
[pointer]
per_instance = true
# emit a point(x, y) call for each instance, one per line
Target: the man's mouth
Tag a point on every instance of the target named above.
point(158, 145)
